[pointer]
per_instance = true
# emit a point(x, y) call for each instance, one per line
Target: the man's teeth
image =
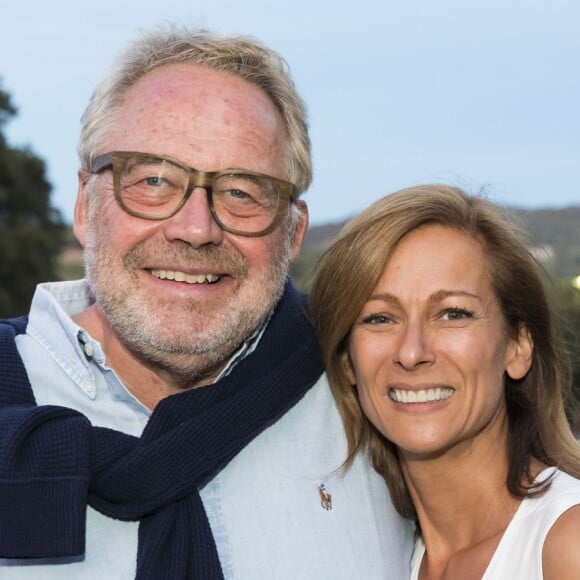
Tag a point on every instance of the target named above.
point(422, 396)
point(183, 277)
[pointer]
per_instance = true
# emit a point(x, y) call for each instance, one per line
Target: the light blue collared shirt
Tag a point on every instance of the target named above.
point(264, 507)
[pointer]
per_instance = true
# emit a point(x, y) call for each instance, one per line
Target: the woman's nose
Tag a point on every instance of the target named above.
point(414, 347)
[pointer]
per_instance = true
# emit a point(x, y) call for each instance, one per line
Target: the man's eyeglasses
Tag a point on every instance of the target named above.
point(156, 187)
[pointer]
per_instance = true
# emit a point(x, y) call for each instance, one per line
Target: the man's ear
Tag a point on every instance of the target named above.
point(348, 368)
point(81, 214)
point(519, 355)
point(301, 228)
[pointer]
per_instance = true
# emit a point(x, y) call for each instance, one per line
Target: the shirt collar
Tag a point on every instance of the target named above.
point(247, 348)
point(50, 323)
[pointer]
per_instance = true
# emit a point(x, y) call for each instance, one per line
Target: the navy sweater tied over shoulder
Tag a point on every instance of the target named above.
point(53, 462)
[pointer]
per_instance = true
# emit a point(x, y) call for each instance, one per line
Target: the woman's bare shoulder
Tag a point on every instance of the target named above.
point(561, 556)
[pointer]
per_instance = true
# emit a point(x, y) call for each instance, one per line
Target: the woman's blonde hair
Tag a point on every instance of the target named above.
point(350, 269)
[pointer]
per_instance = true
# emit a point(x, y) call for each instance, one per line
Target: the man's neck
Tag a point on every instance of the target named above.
point(148, 382)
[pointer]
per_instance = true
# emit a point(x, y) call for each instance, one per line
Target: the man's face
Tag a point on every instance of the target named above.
point(180, 293)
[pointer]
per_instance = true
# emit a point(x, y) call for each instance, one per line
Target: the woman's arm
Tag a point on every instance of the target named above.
point(561, 553)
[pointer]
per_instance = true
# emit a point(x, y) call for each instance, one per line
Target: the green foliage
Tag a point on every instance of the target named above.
point(31, 230)
point(70, 271)
point(302, 270)
point(567, 299)
point(557, 229)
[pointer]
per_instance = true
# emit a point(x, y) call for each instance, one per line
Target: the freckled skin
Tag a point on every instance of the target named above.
point(152, 329)
point(222, 131)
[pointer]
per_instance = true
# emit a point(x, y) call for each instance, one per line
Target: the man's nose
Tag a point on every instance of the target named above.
point(194, 223)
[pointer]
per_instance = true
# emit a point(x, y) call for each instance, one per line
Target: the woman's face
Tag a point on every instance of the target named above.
point(429, 350)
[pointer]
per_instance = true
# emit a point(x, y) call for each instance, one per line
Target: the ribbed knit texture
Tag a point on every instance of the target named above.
point(52, 462)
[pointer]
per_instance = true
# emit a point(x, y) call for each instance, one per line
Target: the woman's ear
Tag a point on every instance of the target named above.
point(519, 357)
point(348, 368)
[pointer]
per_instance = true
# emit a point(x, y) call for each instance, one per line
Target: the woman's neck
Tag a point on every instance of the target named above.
point(463, 506)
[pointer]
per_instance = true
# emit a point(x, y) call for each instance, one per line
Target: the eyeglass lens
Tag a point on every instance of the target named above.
point(155, 187)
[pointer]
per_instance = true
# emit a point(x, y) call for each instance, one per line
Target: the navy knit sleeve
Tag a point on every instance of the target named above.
point(44, 482)
point(44, 466)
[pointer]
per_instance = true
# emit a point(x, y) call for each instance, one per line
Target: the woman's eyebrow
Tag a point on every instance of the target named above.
point(383, 297)
point(437, 296)
point(440, 295)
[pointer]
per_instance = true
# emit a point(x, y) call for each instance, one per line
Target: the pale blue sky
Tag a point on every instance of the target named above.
point(473, 93)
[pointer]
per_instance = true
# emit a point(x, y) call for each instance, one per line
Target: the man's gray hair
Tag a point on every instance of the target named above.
point(235, 54)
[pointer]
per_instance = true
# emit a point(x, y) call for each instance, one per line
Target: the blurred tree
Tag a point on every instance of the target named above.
point(567, 298)
point(31, 230)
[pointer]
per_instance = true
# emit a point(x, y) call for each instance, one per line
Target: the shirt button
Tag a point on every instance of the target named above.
point(90, 390)
point(88, 348)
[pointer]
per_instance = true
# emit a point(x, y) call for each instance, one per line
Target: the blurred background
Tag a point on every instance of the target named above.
point(477, 93)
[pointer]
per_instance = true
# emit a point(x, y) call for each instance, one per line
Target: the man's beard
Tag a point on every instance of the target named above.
point(182, 338)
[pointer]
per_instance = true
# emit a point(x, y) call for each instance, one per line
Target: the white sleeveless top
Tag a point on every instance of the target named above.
point(519, 553)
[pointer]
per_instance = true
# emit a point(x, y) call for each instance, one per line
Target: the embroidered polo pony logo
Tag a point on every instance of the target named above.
point(325, 497)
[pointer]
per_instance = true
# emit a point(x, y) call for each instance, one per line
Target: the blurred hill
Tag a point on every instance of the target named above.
point(554, 232)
